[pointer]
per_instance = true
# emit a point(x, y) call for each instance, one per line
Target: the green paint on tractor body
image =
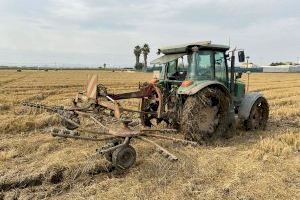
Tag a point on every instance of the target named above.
point(198, 85)
point(239, 89)
point(202, 93)
point(188, 90)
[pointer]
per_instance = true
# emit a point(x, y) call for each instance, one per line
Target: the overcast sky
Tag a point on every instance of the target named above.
point(94, 32)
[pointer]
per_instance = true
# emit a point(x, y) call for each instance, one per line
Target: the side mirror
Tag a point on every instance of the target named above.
point(241, 56)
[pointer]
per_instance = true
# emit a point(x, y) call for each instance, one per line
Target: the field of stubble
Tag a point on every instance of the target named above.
point(251, 165)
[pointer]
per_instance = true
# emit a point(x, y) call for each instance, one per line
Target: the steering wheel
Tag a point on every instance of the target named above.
point(174, 76)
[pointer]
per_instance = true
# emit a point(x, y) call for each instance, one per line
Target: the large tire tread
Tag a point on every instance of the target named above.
point(195, 122)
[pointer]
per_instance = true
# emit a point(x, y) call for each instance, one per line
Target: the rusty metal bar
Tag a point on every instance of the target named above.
point(138, 111)
point(173, 139)
point(82, 138)
point(68, 120)
point(92, 131)
point(99, 123)
point(125, 132)
point(159, 130)
point(126, 142)
point(143, 92)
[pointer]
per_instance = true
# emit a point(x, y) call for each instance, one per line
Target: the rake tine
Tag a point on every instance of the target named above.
point(159, 130)
point(160, 149)
point(185, 142)
point(82, 138)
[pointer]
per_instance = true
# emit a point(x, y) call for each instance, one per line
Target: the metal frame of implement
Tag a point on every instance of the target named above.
point(96, 97)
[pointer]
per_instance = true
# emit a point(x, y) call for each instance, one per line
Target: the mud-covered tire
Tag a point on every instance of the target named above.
point(124, 157)
point(205, 115)
point(146, 118)
point(258, 116)
point(149, 104)
point(230, 130)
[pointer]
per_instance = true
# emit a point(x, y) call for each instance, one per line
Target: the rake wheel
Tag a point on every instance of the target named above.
point(124, 157)
point(112, 143)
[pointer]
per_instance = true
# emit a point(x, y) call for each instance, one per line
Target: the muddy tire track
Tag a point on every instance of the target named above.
point(52, 181)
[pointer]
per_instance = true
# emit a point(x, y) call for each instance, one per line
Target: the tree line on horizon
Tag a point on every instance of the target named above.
point(282, 63)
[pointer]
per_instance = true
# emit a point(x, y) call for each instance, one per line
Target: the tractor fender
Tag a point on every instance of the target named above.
point(199, 85)
point(247, 103)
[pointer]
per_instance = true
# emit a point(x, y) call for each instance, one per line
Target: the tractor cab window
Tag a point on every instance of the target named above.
point(220, 67)
point(202, 65)
point(182, 67)
point(171, 69)
point(177, 69)
point(183, 63)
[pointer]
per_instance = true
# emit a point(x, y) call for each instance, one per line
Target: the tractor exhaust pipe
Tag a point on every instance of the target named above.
point(232, 71)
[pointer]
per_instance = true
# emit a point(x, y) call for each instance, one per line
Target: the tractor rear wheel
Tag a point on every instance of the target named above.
point(259, 115)
point(150, 105)
point(205, 115)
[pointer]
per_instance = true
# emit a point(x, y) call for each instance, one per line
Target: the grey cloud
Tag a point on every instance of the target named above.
point(91, 31)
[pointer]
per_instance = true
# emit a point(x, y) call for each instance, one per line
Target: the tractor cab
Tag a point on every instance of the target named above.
point(207, 64)
point(192, 64)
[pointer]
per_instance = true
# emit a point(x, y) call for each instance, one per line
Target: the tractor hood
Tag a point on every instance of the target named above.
point(167, 58)
point(199, 85)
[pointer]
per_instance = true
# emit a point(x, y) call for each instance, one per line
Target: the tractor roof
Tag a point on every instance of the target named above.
point(183, 48)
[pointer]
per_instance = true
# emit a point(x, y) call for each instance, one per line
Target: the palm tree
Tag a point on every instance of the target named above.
point(146, 51)
point(137, 52)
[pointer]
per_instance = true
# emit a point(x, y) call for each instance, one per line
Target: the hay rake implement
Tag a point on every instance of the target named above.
point(101, 109)
point(205, 99)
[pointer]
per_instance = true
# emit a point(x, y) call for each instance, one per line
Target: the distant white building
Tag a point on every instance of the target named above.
point(281, 68)
point(295, 68)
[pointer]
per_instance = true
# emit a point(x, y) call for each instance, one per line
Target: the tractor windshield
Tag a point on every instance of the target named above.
point(201, 66)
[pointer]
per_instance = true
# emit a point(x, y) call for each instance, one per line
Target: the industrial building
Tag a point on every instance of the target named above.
point(281, 68)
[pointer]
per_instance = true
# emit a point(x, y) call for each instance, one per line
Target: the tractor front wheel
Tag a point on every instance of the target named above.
point(259, 115)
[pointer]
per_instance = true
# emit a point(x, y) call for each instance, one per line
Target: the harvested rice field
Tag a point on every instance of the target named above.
point(250, 165)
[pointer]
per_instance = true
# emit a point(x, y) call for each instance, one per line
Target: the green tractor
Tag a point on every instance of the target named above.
point(201, 95)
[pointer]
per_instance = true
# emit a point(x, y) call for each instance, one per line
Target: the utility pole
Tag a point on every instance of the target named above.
point(247, 61)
